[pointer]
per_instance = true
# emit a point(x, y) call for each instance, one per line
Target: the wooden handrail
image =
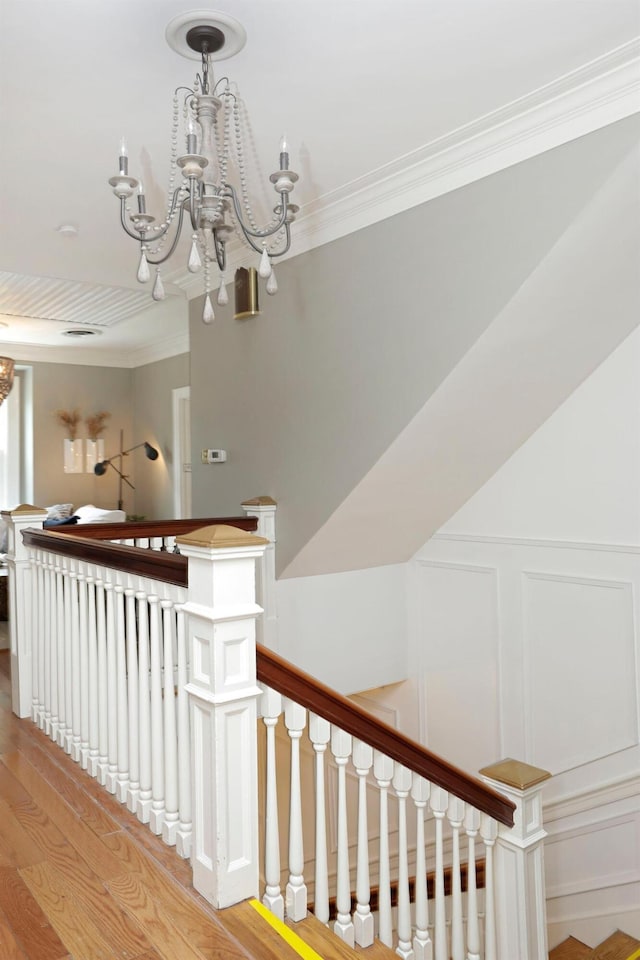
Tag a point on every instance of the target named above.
point(140, 529)
point(88, 541)
point(288, 680)
point(167, 567)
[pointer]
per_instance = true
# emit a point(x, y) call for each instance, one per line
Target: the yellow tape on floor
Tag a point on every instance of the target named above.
point(294, 941)
point(634, 956)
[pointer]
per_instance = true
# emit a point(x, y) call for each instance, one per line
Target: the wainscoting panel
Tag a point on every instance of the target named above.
point(460, 662)
point(580, 666)
point(567, 651)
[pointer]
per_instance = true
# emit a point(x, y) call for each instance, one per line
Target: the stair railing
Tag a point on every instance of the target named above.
point(142, 665)
point(446, 812)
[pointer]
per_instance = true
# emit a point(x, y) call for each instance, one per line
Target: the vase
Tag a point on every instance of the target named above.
point(73, 456)
point(94, 453)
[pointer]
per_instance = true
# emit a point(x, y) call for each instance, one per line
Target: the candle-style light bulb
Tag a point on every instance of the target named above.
point(123, 159)
point(284, 153)
point(142, 204)
point(191, 136)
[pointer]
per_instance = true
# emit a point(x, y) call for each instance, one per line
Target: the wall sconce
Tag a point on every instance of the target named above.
point(245, 286)
point(101, 467)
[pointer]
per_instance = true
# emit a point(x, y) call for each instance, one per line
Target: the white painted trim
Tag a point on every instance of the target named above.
point(622, 788)
point(178, 396)
point(530, 542)
point(595, 95)
point(101, 357)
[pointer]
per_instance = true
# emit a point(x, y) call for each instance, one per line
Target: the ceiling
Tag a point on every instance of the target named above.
point(385, 105)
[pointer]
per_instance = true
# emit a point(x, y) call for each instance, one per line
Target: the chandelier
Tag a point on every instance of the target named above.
point(212, 195)
point(6, 377)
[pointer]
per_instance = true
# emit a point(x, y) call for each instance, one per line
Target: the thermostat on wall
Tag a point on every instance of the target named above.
point(213, 456)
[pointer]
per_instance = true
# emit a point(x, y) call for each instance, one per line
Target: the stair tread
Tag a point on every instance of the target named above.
point(570, 949)
point(619, 946)
point(330, 947)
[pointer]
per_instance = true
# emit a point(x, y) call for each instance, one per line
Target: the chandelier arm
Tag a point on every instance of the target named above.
point(282, 252)
point(174, 244)
point(268, 232)
point(135, 236)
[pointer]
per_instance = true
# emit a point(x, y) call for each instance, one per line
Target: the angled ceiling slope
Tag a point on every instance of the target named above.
point(565, 317)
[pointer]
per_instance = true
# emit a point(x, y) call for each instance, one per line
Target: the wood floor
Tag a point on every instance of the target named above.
point(84, 880)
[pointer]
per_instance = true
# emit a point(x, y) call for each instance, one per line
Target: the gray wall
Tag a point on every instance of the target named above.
point(59, 386)
point(306, 397)
point(153, 421)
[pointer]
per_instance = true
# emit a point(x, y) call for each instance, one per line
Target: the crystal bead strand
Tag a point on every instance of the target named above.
point(173, 165)
point(243, 169)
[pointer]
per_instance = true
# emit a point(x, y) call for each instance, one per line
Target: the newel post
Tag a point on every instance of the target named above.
point(264, 508)
point(21, 603)
point(521, 910)
point(222, 688)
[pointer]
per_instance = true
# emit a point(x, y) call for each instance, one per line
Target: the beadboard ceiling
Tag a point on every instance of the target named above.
point(385, 105)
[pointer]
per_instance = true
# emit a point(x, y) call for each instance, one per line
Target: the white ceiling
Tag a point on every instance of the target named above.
point(384, 104)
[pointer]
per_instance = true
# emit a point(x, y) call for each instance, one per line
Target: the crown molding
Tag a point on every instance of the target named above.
point(98, 356)
point(595, 95)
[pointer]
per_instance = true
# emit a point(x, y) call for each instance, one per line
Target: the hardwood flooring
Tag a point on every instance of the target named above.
point(82, 879)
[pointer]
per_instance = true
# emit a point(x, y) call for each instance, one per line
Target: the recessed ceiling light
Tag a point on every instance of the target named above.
point(81, 332)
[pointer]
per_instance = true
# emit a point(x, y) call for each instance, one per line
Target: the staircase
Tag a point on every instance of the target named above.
point(619, 946)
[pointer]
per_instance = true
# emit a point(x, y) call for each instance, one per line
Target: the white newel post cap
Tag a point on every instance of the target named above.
point(520, 883)
point(20, 518)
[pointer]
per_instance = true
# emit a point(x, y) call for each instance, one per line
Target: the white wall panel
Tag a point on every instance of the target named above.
point(580, 666)
point(459, 653)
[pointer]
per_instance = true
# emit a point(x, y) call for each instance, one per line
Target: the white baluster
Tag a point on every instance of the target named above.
point(46, 724)
point(402, 785)
point(41, 641)
point(68, 661)
point(343, 926)
point(320, 734)
point(143, 810)
point(183, 836)
point(472, 825)
point(439, 800)
point(271, 708)
point(54, 640)
point(489, 832)
point(35, 638)
point(363, 918)
point(92, 643)
point(131, 631)
point(103, 691)
point(122, 781)
point(59, 735)
point(383, 772)
point(171, 816)
point(112, 684)
point(83, 635)
point(156, 816)
point(455, 814)
point(422, 946)
point(75, 661)
point(296, 894)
